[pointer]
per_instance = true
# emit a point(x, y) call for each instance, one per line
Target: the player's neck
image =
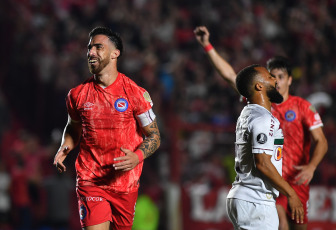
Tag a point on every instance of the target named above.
point(261, 100)
point(285, 97)
point(106, 77)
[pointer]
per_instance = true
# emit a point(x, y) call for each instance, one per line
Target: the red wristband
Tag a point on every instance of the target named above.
point(140, 155)
point(207, 48)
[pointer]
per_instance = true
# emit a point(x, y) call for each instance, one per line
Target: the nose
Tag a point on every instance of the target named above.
point(91, 52)
point(275, 80)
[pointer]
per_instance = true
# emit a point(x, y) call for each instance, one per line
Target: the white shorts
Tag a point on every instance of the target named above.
point(248, 215)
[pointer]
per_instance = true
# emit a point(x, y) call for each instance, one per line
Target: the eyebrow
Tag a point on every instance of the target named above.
point(96, 44)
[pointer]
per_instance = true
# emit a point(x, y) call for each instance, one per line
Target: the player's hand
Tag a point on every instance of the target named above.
point(60, 157)
point(127, 162)
point(306, 174)
point(202, 35)
point(296, 208)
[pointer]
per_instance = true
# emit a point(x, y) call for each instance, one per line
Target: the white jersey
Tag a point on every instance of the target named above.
point(257, 131)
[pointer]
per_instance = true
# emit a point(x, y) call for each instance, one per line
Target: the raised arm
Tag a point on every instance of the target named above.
point(265, 166)
point(70, 139)
point(223, 67)
point(146, 149)
point(321, 146)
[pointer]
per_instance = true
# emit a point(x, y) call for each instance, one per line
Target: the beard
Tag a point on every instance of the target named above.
point(97, 67)
point(274, 95)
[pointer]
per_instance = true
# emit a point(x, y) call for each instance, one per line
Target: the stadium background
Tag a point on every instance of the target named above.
point(184, 185)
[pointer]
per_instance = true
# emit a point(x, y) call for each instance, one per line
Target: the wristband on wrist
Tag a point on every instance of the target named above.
point(140, 155)
point(207, 48)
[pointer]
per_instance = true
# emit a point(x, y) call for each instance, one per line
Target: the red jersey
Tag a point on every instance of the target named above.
point(108, 118)
point(297, 117)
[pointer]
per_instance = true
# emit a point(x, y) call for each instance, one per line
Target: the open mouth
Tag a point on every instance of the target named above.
point(92, 61)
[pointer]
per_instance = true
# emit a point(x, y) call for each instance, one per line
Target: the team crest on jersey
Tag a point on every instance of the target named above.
point(262, 138)
point(278, 154)
point(82, 212)
point(290, 115)
point(121, 105)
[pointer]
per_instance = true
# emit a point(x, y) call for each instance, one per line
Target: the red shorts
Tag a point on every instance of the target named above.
point(97, 206)
point(303, 193)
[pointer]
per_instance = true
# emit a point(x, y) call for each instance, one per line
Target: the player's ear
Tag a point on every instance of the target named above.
point(290, 79)
point(258, 86)
point(115, 54)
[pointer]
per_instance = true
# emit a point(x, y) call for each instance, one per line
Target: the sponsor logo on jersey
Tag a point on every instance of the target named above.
point(278, 153)
point(88, 105)
point(271, 128)
point(92, 198)
point(290, 115)
point(262, 138)
point(82, 212)
point(121, 105)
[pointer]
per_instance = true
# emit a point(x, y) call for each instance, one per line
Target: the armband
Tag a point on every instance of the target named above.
point(146, 118)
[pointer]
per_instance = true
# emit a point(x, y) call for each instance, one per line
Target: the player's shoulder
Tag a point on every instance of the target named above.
point(260, 114)
point(297, 99)
point(130, 84)
point(127, 80)
point(79, 88)
point(303, 104)
point(258, 110)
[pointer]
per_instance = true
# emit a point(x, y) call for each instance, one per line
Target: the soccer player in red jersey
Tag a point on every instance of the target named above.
point(108, 115)
point(299, 121)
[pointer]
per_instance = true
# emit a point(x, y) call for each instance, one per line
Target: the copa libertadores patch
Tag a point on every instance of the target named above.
point(262, 138)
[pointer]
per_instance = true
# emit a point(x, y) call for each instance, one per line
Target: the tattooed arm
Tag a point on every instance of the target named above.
point(152, 141)
point(146, 149)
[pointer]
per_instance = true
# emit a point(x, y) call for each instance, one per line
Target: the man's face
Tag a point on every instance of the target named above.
point(270, 82)
point(274, 95)
point(283, 80)
point(99, 53)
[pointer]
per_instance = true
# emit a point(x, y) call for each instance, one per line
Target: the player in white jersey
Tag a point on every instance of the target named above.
point(258, 160)
point(257, 131)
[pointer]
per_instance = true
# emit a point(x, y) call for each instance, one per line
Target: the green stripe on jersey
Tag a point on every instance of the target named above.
point(278, 141)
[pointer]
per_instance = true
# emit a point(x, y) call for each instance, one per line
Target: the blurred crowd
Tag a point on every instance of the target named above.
point(43, 47)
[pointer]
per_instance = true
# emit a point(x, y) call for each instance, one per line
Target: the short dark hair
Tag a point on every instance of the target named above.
point(245, 79)
point(279, 62)
point(113, 36)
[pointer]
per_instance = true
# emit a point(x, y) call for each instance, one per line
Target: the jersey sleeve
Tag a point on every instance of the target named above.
point(262, 130)
point(311, 118)
point(72, 110)
point(143, 107)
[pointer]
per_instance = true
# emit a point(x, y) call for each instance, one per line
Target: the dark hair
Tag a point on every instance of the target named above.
point(279, 62)
point(113, 36)
point(245, 79)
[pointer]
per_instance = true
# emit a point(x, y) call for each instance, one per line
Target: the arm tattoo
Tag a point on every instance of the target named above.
point(152, 142)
